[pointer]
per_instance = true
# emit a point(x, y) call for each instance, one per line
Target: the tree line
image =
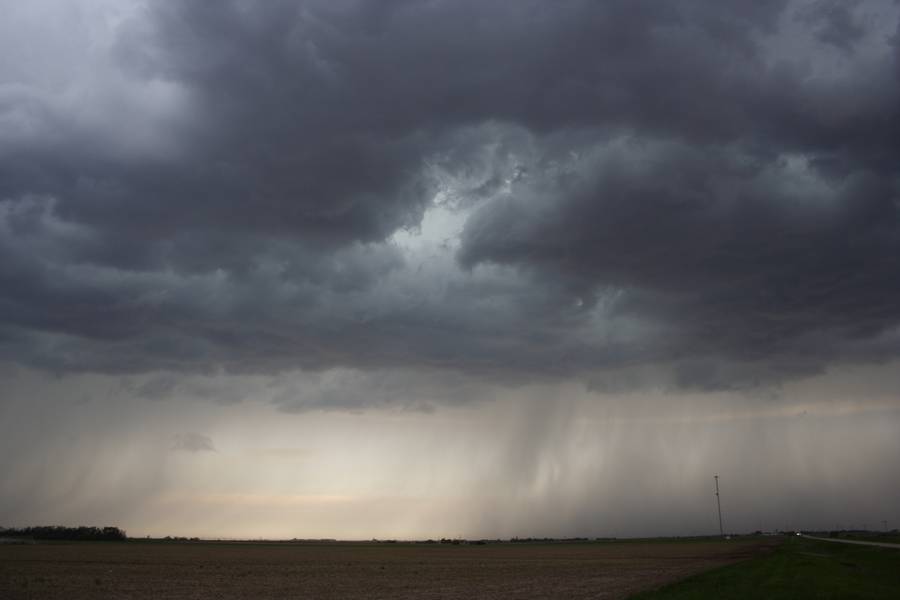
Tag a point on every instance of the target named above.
point(58, 532)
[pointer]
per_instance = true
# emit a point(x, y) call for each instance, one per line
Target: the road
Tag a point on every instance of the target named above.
point(880, 544)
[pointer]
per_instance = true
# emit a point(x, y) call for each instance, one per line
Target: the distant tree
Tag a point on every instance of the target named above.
point(58, 532)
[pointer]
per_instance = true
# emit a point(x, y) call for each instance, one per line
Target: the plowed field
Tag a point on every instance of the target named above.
point(347, 571)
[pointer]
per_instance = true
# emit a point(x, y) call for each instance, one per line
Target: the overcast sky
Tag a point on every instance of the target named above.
point(427, 268)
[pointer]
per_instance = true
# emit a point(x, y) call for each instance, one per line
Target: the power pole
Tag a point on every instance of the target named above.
point(884, 525)
point(719, 505)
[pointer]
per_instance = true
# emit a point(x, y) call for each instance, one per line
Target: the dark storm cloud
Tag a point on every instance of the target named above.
point(835, 22)
point(739, 256)
point(650, 184)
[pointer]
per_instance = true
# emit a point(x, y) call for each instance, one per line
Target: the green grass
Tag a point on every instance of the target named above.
point(798, 569)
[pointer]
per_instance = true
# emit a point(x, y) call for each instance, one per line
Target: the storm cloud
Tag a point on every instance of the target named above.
point(510, 190)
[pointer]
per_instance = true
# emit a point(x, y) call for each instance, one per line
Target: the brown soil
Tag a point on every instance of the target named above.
point(344, 570)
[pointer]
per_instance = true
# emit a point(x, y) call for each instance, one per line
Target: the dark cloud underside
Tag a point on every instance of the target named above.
point(709, 185)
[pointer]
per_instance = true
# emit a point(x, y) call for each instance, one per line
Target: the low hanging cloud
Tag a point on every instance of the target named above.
point(709, 191)
point(192, 442)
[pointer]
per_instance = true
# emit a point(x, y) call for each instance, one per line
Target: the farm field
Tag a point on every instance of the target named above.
point(357, 570)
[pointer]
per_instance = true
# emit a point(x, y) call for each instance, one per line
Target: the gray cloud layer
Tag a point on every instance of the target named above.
point(713, 187)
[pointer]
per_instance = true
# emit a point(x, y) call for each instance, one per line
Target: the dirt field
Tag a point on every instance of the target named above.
point(342, 570)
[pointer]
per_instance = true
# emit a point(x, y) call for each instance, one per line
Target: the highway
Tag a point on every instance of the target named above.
point(880, 544)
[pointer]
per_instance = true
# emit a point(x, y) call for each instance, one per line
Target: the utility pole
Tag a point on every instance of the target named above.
point(884, 525)
point(719, 505)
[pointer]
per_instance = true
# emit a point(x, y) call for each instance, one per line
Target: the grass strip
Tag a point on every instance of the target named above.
point(800, 568)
